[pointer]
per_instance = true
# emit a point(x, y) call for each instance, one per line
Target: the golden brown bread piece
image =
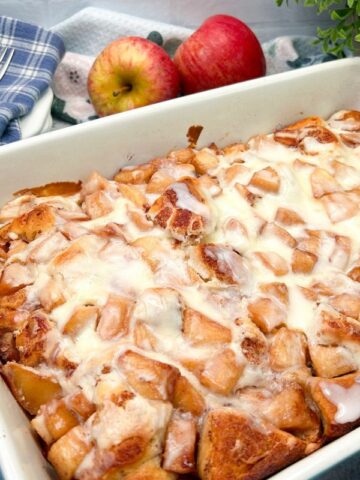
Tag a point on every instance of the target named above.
point(267, 179)
point(182, 210)
point(69, 451)
point(236, 446)
point(303, 261)
point(221, 372)
point(31, 224)
point(328, 393)
point(199, 329)
point(31, 340)
point(187, 398)
point(293, 135)
point(254, 344)
point(58, 416)
point(322, 182)
point(150, 470)
point(115, 317)
point(151, 378)
point(51, 189)
point(10, 320)
point(204, 160)
point(179, 452)
point(13, 299)
point(219, 262)
point(347, 304)
point(340, 206)
point(274, 262)
point(331, 361)
point(136, 175)
point(30, 388)
point(266, 313)
point(288, 349)
point(288, 217)
point(289, 410)
point(80, 318)
point(278, 290)
point(335, 327)
point(116, 458)
point(348, 123)
point(54, 420)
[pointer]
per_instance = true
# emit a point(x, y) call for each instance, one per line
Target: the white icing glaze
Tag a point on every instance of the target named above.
point(346, 400)
point(187, 201)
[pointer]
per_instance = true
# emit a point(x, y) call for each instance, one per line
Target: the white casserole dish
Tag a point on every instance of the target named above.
point(227, 114)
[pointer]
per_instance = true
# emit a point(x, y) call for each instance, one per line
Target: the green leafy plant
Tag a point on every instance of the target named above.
point(344, 34)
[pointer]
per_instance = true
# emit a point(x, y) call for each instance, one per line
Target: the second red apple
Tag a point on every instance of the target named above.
point(222, 51)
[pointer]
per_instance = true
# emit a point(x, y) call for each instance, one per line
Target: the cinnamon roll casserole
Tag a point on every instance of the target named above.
point(197, 316)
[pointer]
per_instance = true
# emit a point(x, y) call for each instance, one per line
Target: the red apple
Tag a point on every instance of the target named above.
point(222, 51)
point(129, 73)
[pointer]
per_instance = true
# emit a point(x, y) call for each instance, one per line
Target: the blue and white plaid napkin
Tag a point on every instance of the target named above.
point(37, 54)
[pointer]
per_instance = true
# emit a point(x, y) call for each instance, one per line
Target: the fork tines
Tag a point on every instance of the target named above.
point(6, 54)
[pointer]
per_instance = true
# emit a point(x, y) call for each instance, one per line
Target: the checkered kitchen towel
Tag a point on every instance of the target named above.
point(37, 54)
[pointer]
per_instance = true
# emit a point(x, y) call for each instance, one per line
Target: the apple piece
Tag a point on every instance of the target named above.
point(222, 51)
point(187, 398)
point(131, 72)
point(30, 388)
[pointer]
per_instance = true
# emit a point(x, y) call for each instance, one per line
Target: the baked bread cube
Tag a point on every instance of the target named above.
point(200, 330)
point(30, 388)
point(288, 349)
point(80, 318)
point(221, 373)
point(147, 471)
point(179, 452)
point(347, 304)
point(31, 340)
point(69, 451)
point(135, 175)
point(235, 445)
point(152, 379)
point(58, 416)
point(182, 210)
point(266, 179)
point(186, 397)
point(337, 328)
point(337, 400)
point(221, 262)
point(115, 317)
point(254, 344)
point(31, 224)
point(266, 313)
point(289, 410)
point(331, 361)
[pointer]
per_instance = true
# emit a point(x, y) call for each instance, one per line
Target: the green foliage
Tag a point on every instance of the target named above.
point(344, 34)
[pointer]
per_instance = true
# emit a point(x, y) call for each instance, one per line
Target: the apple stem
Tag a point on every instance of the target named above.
point(123, 89)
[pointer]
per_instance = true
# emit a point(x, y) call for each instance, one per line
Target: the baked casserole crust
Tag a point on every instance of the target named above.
point(197, 316)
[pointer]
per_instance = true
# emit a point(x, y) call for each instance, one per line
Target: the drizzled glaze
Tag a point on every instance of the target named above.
point(346, 400)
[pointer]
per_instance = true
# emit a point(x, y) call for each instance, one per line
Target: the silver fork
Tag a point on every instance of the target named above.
point(7, 54)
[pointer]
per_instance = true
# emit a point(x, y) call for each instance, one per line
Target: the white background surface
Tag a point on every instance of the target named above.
point(263, 16)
